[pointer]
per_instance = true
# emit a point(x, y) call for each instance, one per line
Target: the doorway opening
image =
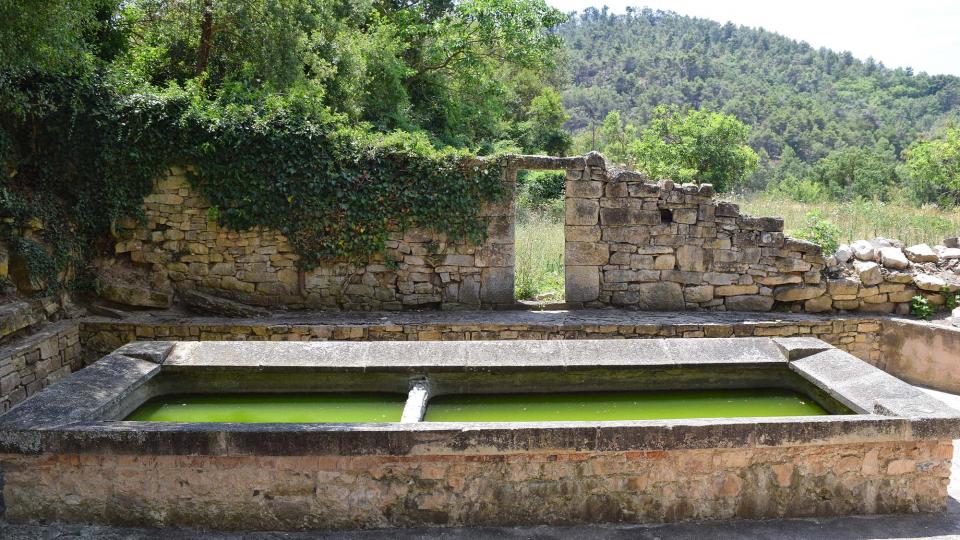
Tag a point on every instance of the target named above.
point(539, 236)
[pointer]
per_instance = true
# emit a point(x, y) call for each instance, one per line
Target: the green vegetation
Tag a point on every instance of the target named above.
point(539, 258)
point(922, 308)
point(860, 219)
point(934, 168)
point(820, 231)
point(697, 146)
point(332, 122)
point(824, 125)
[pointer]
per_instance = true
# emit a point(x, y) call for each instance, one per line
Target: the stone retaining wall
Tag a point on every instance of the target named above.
point(35, 361)
point(858, 336)
point(482, 488)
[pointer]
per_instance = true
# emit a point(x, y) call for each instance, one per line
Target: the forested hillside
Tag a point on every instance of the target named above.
point(803, 105)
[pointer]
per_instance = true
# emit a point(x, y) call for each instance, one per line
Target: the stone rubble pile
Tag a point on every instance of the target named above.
point(885, 274)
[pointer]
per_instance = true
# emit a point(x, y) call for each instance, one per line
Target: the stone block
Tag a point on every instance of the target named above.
point(582, 211)
point(133, 295)
point(869, 272)
point(469, 293)
point(664, 262)
point(661, 296)
point(685, 215)
point(751, 302)
point(843, 286)
point(627, 235)
point(496, 285)
point(794, 293)
point(459, 260)
point(803, 246)
point(679, 276)
point(921, 253)
point(863, 250)
point(766, 224)
point(717, 278)
point(846, 305)
point(691, 258)
point(494, 255)
point(587, 189)
point(698, 294)
point(927, 282)
point(819, 304)
point(779, 279)
point(585, 254)
point(628, 216)
point(727, 209)
point(893, 258)
point(736, 290)
point(582, 283)
point(582, 233)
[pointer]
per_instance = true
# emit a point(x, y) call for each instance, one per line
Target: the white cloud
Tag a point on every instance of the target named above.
point(922, 34)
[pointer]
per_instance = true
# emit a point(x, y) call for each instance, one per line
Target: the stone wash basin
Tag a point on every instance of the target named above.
point(68, 454)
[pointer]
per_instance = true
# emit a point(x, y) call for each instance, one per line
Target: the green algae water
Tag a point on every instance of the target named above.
point(269, 408)
point(592, 406)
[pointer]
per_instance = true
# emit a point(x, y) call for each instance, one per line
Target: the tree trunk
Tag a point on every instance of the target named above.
point(206, 36)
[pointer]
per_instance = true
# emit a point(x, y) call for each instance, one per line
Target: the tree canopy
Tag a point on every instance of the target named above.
point(802, 104)
point(698, 146)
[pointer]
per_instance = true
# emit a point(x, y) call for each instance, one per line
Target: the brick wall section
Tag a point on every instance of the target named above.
point(860, 337)
point(420, 268)
point(35, 361)
point(347, 492)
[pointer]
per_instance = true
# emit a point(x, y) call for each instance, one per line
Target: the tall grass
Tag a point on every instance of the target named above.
point(861, 219)
point(539, 257)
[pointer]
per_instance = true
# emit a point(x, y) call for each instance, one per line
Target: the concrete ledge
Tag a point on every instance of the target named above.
point(921, 353)
point(74, 416)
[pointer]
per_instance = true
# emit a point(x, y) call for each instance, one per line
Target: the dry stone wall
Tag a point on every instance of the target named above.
point(187, 250)
point(32, 362)
point(662, 246)
point(629, 243)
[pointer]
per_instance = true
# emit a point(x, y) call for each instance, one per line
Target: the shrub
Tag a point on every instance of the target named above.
point(820, 231)
point(921, 308)
point(950, 300)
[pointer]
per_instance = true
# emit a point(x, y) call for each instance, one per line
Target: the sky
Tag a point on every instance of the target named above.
point(922, 34)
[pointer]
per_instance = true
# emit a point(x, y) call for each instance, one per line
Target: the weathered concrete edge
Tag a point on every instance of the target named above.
point(505, 354)
point(922, 353)
point(66, 418)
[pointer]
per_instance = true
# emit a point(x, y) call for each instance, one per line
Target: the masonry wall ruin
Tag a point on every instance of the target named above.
point(629, 242)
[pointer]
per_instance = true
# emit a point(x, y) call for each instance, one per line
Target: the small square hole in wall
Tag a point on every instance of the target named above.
point(666, 215)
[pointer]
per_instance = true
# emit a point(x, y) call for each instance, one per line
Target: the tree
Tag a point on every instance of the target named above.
point(449, 68)
point(857, 172)
point(545, 124)
point(697, 146)
point(616, 138)
point(55, 35)
point(934, 167)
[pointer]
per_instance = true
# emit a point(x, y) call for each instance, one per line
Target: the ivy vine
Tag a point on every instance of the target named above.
point(81, 153)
